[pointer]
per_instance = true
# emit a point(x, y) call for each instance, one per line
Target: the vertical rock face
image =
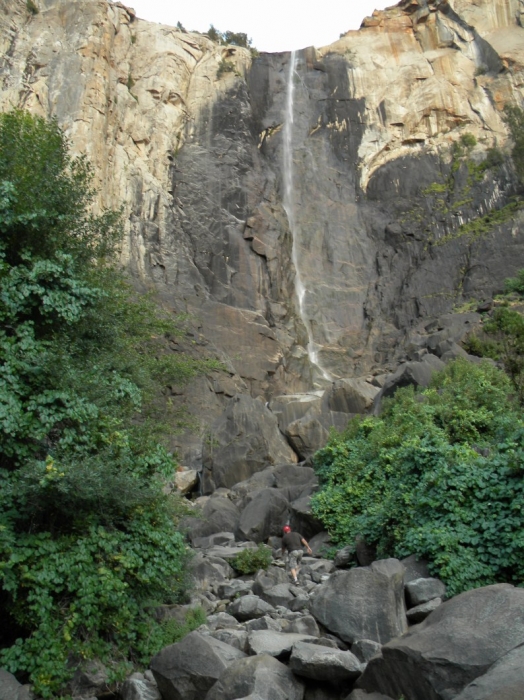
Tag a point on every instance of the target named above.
point(381, 205)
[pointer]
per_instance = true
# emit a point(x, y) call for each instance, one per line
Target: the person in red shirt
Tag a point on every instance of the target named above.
point(292, 543)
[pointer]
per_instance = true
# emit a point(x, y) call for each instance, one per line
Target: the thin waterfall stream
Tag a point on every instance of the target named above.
point(289, 207)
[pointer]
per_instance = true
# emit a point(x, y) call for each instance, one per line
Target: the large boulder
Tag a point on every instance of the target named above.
point(422, 590)
point(257, 677)
point(266, 512)
point(416, 374)
point(455, 645)
point(245, 439)
point(323, 663)
point(219, 514)
point(188, 669)
point(351, 396)
point(249, 607)
point(207, 571)
point(276, 644)
point(10, 688)
point(302, 518)
point(503, 681)
point(364, 603)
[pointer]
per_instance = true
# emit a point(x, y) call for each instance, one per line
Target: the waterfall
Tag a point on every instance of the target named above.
point(288, 201)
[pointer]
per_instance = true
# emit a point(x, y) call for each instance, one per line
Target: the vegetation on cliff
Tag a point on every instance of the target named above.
point(439, 474)
point(88, 540)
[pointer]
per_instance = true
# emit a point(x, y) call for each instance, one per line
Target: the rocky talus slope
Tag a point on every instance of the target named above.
point(382, 630)
point(383, 221)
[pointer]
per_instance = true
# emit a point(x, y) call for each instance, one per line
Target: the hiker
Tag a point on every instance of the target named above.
point(292, 544)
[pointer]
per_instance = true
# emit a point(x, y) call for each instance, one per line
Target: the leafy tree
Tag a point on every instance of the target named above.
point(229, 37)
point(439, 474)
point(87, 538)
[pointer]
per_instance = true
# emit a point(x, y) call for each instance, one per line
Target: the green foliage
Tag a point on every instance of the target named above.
point(506, 328)
point(229, 37)
point(32, 7)
point(439, 474)
point(515, 121)
point(468, 140)
point(181, 27)
point(249, 561)
point(87, 538)
point(515, 284)
point(224, 67)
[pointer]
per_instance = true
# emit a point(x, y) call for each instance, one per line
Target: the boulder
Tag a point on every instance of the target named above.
point(91, 678)
point(362, 695)
point(220, 539)
point(455, 645)
point(265, 580)
point(10, 688)
point(320, 543)
point(293, 407)
point(138, 689)
point(222, 621)
point(422, 590)
point(257, 677)
point(234, 589)
point(186, 480)
point(409, 374)
point(420, 612)
point(503, 681)
point(351, 396)
point(275, 644)
point(234, 637)
point(302, 519)
point(305, 624)
point(307, 435)
point(263, 623)
point(344, 557)
point(218, 515)
point(365, 649)
point(266, 512)
point(363, 603)
point(207, 571)
point(188, 669)
point(294, 475)
point(245, 439)
point(249, 607)
point(279, 595)
point(323, 663)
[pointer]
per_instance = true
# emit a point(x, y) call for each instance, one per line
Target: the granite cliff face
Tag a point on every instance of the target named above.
point(189, 136)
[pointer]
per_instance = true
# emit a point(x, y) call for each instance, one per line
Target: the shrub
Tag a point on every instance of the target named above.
point(439, 474)
point(249, 561)
point(224, 67)
point(88, 540)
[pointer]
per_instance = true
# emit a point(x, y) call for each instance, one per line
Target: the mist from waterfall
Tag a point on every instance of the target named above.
point(289, 207)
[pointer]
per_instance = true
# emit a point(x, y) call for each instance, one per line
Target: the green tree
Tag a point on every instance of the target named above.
point(439, 474)
point(88, 540)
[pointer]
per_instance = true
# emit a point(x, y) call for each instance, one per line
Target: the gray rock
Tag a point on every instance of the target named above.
point(137, 689)
point(503, 681)
point(351, 396)
point(296, 475)
point(91, 678)
point(260, 677)
point(234, 637)
point(322, 663)
point(207, 571)
point(363, 603)
point(219, 515)
point(266, 512)
point(263, 623)
point(244, 440)
point(10, 688)
point(279, 595)
point(302, 518)
point(409, 374)
point(188, 669)
point(305, 624)
point(455, 645)
point(365, 649)
point(218, 539)
point(344, 557)
point(265, 580)
point(420, 612)
point(320, 544)
point(362, 695)
point(249, 607)
point(307, 435)
point(275, 644)
point(234, 588)
point(222, 621)
point(422, 590)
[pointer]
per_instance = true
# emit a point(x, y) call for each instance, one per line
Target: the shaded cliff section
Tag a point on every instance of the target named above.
point(385, 195)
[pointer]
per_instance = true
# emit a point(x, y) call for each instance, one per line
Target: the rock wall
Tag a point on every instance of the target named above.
point(188, 135)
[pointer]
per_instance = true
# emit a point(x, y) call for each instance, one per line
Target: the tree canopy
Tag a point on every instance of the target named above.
point(87, 537)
